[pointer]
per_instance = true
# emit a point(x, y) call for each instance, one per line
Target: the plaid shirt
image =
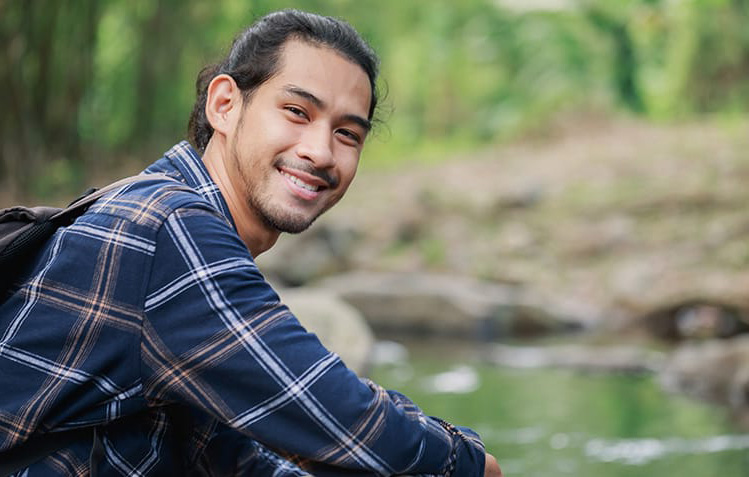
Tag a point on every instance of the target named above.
point(149, 320)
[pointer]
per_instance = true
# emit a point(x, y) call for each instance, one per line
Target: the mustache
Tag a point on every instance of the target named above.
point(308, 168)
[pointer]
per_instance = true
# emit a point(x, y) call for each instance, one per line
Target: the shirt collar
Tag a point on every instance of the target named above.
point(183, 163)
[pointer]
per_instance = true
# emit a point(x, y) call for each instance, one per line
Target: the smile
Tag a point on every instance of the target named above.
point(300, 183)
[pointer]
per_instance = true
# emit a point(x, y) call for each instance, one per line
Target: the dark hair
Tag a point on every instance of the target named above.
point(255, 53)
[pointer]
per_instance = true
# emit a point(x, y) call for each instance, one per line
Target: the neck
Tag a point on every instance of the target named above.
point(251, 229)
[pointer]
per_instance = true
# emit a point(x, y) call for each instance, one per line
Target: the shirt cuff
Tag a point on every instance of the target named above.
point(468, 455)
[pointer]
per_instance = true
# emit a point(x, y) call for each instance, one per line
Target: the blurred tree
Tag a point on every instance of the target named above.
point(45, 70)
point(612, 18)
point(91, 82)
point(708, 58)
point(157, 59)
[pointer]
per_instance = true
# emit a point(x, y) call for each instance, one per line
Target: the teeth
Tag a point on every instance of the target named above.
point(300, 183)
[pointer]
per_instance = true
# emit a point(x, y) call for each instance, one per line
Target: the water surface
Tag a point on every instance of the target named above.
point(559, 422)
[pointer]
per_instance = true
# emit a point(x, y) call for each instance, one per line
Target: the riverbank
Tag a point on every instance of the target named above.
point(626, 218)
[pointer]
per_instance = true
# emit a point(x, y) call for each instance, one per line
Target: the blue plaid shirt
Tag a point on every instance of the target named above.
point(148, 320)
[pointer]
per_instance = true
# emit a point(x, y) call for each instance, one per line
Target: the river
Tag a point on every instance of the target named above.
point(546, 422)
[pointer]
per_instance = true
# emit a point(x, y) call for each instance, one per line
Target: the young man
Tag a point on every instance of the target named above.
point(148, 321)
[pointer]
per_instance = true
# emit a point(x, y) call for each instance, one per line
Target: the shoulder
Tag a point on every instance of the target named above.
point(151, 201)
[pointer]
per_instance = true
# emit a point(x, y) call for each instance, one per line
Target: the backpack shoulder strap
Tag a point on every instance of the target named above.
point(23, 230)
point(78, 206)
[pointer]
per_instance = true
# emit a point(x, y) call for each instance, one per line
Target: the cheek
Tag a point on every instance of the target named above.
point(278, 133)
point(264, 131)
point(347, 160)
point(349, 168)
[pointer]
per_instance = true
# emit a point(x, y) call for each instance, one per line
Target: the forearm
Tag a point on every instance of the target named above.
point(324, 417)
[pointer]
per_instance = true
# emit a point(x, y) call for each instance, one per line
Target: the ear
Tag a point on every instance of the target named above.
point(223, 102)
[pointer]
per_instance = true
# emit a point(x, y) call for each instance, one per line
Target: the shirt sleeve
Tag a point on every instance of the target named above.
point(217, 338)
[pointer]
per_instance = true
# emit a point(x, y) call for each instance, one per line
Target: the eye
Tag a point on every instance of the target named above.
point(350, 136)
point(296, 111)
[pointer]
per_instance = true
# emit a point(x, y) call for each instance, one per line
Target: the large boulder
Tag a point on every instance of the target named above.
point(688, 316)
point(425, 303)
point(296, 260)
point(340, 327)
point(715, 370)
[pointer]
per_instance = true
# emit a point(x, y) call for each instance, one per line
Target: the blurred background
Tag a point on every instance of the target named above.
point(547, 239)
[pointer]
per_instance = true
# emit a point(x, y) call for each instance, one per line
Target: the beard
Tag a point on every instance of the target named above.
point(262, 203)
point(277, 217)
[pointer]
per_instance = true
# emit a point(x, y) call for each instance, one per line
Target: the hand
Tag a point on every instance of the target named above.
point(491, 468)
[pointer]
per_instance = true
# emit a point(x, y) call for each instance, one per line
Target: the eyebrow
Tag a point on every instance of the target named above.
point(320, 104)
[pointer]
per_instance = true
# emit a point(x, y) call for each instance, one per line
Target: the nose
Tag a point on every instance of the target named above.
point(316, 145)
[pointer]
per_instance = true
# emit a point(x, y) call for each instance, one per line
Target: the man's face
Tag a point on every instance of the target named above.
point(296, 147)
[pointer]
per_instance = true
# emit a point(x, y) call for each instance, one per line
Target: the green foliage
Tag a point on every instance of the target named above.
point(90, 81)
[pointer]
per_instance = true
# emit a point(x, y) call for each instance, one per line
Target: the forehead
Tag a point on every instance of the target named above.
point(324, 72)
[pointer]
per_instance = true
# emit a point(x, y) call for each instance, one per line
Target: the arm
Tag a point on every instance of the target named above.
point(217, 338)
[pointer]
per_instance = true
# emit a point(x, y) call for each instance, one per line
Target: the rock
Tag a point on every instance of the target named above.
point(702, 321)
point(692, 319)
point(298, 259)
point(619, 359)
point(522, 196)
point(340, 327)
point(715, 370)
point(454, 306)
point(665, 298)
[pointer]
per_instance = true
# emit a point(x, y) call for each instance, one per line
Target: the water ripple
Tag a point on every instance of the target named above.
point(643, 451)
point(459, 380)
